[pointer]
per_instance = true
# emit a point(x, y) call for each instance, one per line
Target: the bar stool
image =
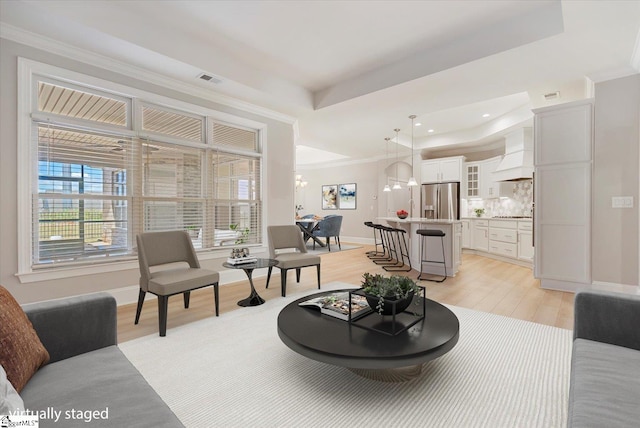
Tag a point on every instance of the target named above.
point(377, 241)
point(425, 234)
point(390, 252)
point(402, 253)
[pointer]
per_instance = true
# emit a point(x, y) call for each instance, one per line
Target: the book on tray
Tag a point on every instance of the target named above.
point(337, 305)
point(240, 260)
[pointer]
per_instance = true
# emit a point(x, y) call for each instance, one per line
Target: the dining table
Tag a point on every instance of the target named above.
point(307, 225)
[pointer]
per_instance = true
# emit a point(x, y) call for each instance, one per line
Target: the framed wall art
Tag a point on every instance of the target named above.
point(347, 196)
point(330, 197)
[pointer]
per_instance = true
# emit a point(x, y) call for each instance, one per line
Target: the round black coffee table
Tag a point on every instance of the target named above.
point(368, 353)
point(254, 299)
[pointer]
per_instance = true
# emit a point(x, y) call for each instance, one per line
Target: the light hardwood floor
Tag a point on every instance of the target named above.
point(482, 284)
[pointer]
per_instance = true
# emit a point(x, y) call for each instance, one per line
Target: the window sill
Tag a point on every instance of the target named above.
point(70, 271)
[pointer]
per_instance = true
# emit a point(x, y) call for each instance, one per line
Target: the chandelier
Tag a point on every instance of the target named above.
point(300, 182)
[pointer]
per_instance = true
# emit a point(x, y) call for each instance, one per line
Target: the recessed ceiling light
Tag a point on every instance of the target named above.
point(486, 115)
point(430, 130)
point(418, 124)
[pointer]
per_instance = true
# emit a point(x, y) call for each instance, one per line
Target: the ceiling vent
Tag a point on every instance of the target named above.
point(209, 78)
point(552, 96)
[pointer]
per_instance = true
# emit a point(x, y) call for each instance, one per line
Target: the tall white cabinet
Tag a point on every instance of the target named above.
point(563, 147)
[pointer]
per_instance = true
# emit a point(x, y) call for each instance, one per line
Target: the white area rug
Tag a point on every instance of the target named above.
point(233, 371)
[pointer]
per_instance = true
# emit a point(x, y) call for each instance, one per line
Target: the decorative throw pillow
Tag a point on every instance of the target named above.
point(10, 401)
point(21, 352)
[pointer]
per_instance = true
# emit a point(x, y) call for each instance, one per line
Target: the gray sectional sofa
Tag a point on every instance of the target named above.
point(88, 381)
point(605, 364)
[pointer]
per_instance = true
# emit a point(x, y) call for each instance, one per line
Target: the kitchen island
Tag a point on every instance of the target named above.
point(452, 243)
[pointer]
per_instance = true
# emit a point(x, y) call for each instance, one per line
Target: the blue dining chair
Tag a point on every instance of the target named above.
point(327, 228)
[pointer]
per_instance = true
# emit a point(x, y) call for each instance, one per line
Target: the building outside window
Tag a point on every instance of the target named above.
point(108, 167)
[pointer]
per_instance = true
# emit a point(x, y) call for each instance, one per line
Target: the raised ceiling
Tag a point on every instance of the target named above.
point(352, 71)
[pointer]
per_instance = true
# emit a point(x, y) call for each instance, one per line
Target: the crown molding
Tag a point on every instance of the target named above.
point(19, 35)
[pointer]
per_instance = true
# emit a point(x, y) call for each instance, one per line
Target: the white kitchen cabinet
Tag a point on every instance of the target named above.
point(525, 240)
point(488, 187)
point(443, 169)
point(466, 233)
point(563, 138)
point(503, 238)
point(457, 244)
point(473, 179)
point(480, 236)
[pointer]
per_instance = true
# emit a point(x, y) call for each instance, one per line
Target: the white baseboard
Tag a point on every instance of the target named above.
point(574, 287)
point(357, 240)
point(518, 262)
point(618, 288)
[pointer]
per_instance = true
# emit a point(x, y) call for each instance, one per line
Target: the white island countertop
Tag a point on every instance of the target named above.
point(418, 220)
point(498, 218)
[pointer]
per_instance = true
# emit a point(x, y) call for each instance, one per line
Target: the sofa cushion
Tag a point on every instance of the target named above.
point(21, 352)
point(101, 381)
point(10, 401)
point(605, 385)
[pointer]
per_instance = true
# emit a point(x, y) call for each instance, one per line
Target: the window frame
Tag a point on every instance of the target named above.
point(29, 72)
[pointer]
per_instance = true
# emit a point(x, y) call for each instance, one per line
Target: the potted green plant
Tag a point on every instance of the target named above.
point(479, 212)
point(243, 234)
point(382, 291)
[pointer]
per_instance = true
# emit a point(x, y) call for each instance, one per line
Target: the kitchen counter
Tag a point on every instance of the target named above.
point(418, 220)
point(507, 239)
point(498, 218)
point(452, 243)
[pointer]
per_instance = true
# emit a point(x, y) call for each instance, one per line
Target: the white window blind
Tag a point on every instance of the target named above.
point(173, 124)
point(98, 188)
point(81, 197)
point(75, 103)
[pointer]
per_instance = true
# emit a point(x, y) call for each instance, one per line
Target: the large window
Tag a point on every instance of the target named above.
point(111, 166)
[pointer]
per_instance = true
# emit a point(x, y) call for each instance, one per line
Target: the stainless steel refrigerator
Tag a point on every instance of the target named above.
point(441, 201)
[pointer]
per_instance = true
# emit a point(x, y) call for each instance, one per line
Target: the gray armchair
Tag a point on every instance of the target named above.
point(327, 228)
point(174, 251)
point(287, 247)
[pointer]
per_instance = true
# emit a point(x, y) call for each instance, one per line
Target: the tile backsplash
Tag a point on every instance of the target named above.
point(519, 204)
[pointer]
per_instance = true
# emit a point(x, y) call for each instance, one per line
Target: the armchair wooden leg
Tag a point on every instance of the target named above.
point(186, 295)
point(283, 282)
point(216, 297)
point(339, 245)
point(329, 243)
point(298, 275)
point(318, 277)
point(141, 295)
point(163, 304)
point(268, 276)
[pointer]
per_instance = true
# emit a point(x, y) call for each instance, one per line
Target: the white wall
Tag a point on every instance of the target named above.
point(617, 140)
point(278, 191)
point(365, 176)
point(372, 202)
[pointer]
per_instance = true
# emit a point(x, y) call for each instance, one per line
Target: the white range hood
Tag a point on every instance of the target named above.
point(517, 163)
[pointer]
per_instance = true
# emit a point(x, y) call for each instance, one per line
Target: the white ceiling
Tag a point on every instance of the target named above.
point(352, 71)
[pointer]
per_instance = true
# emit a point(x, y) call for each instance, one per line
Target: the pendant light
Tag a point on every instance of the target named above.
point(397, 185)
point(412, 180)
point(386, 186)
